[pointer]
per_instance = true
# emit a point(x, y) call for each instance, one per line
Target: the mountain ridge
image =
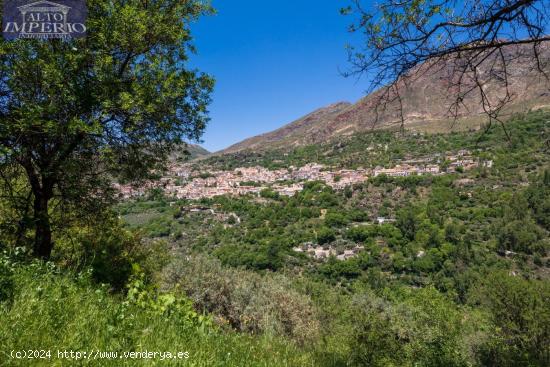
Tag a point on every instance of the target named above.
point(425, 106)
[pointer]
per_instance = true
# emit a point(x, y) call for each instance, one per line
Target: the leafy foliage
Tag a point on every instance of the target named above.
point(245, 301)
point(455, 275)
point(425, 329)
point(114, 102)
point(60, 311)
point(521, 320)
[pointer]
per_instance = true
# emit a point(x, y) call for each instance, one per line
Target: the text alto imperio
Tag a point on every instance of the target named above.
point(44, 19)
point(46, 26)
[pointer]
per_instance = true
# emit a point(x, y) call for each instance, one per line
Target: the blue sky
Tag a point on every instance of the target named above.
point(274, 61)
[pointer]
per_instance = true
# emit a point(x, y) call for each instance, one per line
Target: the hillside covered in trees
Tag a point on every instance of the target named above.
point(457, 274)
point(124, 244)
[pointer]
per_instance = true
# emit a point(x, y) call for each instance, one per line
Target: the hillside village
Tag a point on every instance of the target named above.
point(182, 182)
point(163, 203)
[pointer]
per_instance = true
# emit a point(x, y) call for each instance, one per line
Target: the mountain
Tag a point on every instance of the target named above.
point(188, 152)
point(196, 151)
point(425, 100)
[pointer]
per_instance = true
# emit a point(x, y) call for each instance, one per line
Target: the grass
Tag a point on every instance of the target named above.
point(55, 311)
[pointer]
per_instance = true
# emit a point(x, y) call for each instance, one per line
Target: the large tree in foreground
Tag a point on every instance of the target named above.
point(472, 42)
point(74, 114)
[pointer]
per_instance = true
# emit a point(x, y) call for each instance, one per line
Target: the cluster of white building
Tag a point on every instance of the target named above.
point(465, 160)
point(321, 253)
point(252, 180)
point(407, 170)
point(184, 183)
point(421, 166)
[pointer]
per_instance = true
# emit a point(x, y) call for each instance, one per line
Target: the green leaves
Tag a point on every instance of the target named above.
point(521, 320)
point(423, 329)
point(148, 298)
point(76, 114)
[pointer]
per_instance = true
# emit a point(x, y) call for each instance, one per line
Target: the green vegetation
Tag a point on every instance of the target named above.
point(384, 148)
point(77, 114)
point(456, 275)
point(52, 310)
point(449, 234)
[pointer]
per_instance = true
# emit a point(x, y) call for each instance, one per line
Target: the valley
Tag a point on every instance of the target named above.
point(396, 236)
point(155, 210)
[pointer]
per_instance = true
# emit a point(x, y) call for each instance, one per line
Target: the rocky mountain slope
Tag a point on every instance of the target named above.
point(426, 101)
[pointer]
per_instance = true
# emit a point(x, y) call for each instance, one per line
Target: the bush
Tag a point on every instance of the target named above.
point(264, 257)
point(361, 233)
point(269, 194)
point(521, 318)
point(110, 251)
point(244, 300)
point(423, 329)
point(336, 269)
point(521, 236)
point(325, 235)
point(333, 219)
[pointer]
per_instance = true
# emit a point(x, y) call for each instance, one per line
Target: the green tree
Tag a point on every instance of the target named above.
point(75, 113)
point(520, 235)
point(408, 222)
point(453, 232)
point(538, 197)
point(521, 318)
point(325, 235)
point(425, 329)
point(269, 194)
point(360, 233)
point(335, 219)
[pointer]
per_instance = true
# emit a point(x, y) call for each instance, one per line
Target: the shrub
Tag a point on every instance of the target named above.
point(521, 320)
point(360, 233)
point(110, 251)
point(264, 257)
point(337, 269)
point(325, 235)
point(269, 194)
point(520, 235)
point(333, 219)
point(423, 329)
point(244, 300)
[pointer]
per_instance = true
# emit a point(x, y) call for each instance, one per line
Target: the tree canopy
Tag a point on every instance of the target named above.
point(76, 114)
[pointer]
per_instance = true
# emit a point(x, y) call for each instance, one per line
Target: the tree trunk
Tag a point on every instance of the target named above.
point(42, 190)
point(43, 244)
